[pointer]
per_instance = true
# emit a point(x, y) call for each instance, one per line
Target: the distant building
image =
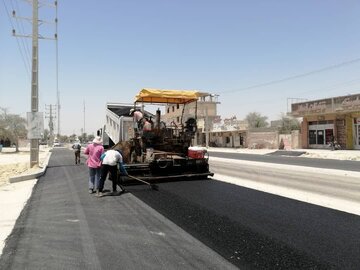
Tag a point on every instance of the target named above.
point(337, 117)
point(232, 133)
point(206, 115)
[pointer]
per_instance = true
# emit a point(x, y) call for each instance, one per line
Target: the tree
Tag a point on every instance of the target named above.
point(288, 124)
point(256, 120)
point(72, 138)
point(12, 127)
point(64, 138)
point(90, 137)
point(83, 137)
point(45, 136)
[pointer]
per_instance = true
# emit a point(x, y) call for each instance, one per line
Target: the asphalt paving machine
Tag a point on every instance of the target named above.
point(165, 152)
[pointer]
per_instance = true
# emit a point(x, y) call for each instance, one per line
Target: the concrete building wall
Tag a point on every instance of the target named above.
point(230, 139)
point(339, 116)
point(173, 112)
point(265, 139)
point(295, 139)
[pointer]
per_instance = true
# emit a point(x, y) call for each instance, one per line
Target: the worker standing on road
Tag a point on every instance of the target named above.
point(77, 148)
point(110, 160)
point(94, 150)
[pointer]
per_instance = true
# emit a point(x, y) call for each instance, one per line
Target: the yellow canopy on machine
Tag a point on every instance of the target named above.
point(167, 96)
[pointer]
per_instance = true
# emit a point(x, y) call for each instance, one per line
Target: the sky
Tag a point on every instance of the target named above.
point(254, 54)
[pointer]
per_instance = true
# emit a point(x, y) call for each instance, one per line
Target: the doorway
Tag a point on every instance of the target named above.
point(320, 134)
point(357, 133)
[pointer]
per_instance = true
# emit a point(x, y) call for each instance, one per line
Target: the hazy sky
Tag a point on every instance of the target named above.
point(109, 50)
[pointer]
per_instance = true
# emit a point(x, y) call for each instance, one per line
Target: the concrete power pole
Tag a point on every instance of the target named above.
point(35, 118)
point(57, 70)
point(84, 119)
point(207, 126)
point(34, 143)
point(51, 117)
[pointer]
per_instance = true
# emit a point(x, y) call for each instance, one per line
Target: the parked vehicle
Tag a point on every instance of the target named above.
point(56, 143)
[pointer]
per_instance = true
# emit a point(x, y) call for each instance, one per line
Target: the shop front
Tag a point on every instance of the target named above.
point(327, 120)
point(357, 133)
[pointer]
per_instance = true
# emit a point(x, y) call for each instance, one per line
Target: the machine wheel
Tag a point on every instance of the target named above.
point(162, 163)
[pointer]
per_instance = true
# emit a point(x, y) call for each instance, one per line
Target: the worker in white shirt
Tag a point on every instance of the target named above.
point(110, 160)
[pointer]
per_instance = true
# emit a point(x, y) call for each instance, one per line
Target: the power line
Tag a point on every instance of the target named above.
point(294, 77)
point(27, 67)
point(331, 87)
point(23, 30)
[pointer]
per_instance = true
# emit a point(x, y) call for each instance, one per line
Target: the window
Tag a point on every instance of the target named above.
point(178, 119)
point(321, 132)
point(312, 137)
point(328, 135)
point(320, 137)
point(241, 140)
point(177, 106)
point(173, 108)
point(168, 110)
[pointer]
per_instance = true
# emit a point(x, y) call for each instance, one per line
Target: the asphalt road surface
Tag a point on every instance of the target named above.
point(205, 224)
point(293, 160)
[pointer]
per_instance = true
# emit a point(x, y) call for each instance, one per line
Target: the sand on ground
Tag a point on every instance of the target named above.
point(18, 163)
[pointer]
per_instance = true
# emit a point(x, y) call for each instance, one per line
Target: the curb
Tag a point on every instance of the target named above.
point(15, 179)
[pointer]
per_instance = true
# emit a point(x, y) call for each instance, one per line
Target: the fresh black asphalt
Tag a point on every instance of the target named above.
point(256, 230)
point(63, 227)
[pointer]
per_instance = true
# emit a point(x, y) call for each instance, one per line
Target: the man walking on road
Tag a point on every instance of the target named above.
point(94, 150)
point(110, 160)
point(77, 148)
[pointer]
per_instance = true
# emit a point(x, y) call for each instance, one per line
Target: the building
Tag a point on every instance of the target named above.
point(325, 119)
point(233, 133)
point(205, 110)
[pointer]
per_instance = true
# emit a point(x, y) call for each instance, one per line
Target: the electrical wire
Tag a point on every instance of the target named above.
point(346, 63)
point(17, 40)
point(23, 29)
point(331, 87)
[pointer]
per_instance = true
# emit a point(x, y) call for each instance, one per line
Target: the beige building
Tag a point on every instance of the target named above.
point(205, 110)
point(337, 117)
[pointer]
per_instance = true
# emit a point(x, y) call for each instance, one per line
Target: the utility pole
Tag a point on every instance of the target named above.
point(51, 122)
point(57, 69)
point(207, 127)
point(84, 118)
point(34, 143)
point(35, 119)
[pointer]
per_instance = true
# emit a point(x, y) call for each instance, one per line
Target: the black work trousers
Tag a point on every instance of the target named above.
point(105, 169)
